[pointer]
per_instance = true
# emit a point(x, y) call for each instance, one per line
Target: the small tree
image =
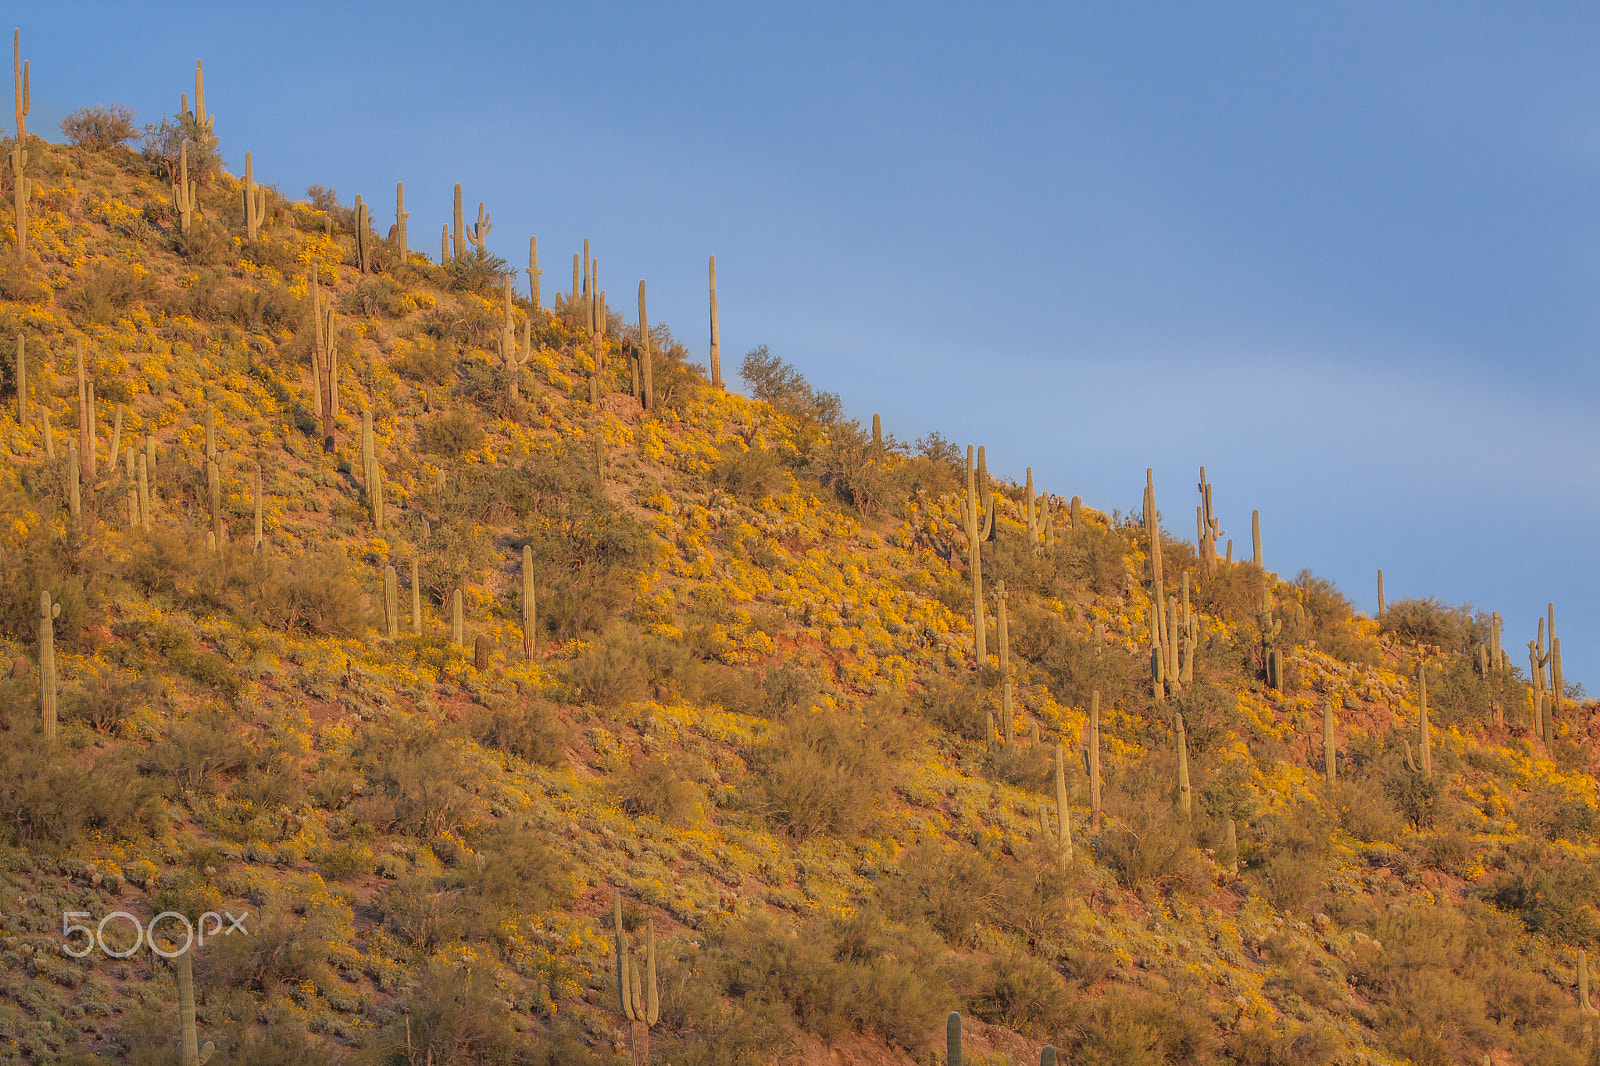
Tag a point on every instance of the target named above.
point(101, 128)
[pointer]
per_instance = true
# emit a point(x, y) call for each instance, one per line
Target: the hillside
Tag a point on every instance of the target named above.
point(718, 656)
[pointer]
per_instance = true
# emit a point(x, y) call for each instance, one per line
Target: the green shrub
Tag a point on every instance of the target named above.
point(610, 671)
point(526, 728)
point(195, 753)
point(751, 475)
point(452, 434)
point(658, 787)
point(949, 888)
point(105, 291)
point(1428, 620)
point(45, 799)
point(429, 363)
point(826, 772)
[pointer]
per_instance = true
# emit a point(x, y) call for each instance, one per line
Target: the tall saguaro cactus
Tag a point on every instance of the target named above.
point(1094, 760)
point(255, 202)
point(48, 612)
point(402, 249)
point(22, 381)
point(975, 565)
point(416, 601)
point(1063, 816)
point(1329, 750)
point(255, 486)
point(21, 187)
point(1255, 538)
point(184, 193)
point(529, 617)
point(190, 1051)
point(648, 382)
point(457, 636)
point(1185, 794)
point(1424, 740)
point(1007, 718)
point(1210, 528)
point(1382, 606)
point(533, 272)
point(952, 1039)
point(638, 999)
point(391, 601)
point(458, 237)
point(716, 332)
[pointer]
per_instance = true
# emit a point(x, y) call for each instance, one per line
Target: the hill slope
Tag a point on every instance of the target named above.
point(751, 706)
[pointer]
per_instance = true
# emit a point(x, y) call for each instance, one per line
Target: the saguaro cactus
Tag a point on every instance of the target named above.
point(391, 601)
point(529, 617)
point(1094, 760)
point(401, 248)
point(1028, 514)
point(22, 381)
point(1329, 751)
point(48, 613)
point(479, 233)
point(214, 484)
point(1585, 1004)
point(458, 231)
point(648, 382)
point(1382, 606)
point(1557, 692)
point(416, 601)
point(1007, 718)
point(144, 492)
point(183, 193)
point(952, 1039)
point(1152, 526)
point(1063, 816)
point(190, 1051)
point(716, 331)
point(74, 485)
point(1231, 850)
point(21, 187)
point(975, 565)
point(1185, 795)
point(1255, 537)
point(638, 999)
point(255, 485)
point(533, 272)
point(456, 637)
point(363, 235)
point(1210, 528)
point(1425, 741)
point(255, 202)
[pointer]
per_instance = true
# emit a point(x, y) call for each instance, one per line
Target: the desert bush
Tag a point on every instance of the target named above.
point(827, 772)
point(610, 671)
point(428, 362)
point(955, 704)
point(751, 475)
point(1020, 992)
point(658, 787)
point(776, 382)
point(1549, 892)
point(864, 474)
point(1427, 620)
point(196, 753)
point(419, 783)
point(105, 701)
point(1414, 795)
point(949, 888)
point(101, 127)
point(454, 1015)
point(834, 977)
point(18, 284)
point(1147, 842)
point(49, 800)
point(452, 434)
point(526, 728)
point(105, 291)
point(483, 273)
point(513, 870)
point(372, 297)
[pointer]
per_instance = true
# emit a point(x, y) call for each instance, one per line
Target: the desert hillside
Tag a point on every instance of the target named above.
point(429, 624)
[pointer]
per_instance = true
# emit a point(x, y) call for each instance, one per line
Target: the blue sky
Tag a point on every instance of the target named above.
point(1347, 256)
